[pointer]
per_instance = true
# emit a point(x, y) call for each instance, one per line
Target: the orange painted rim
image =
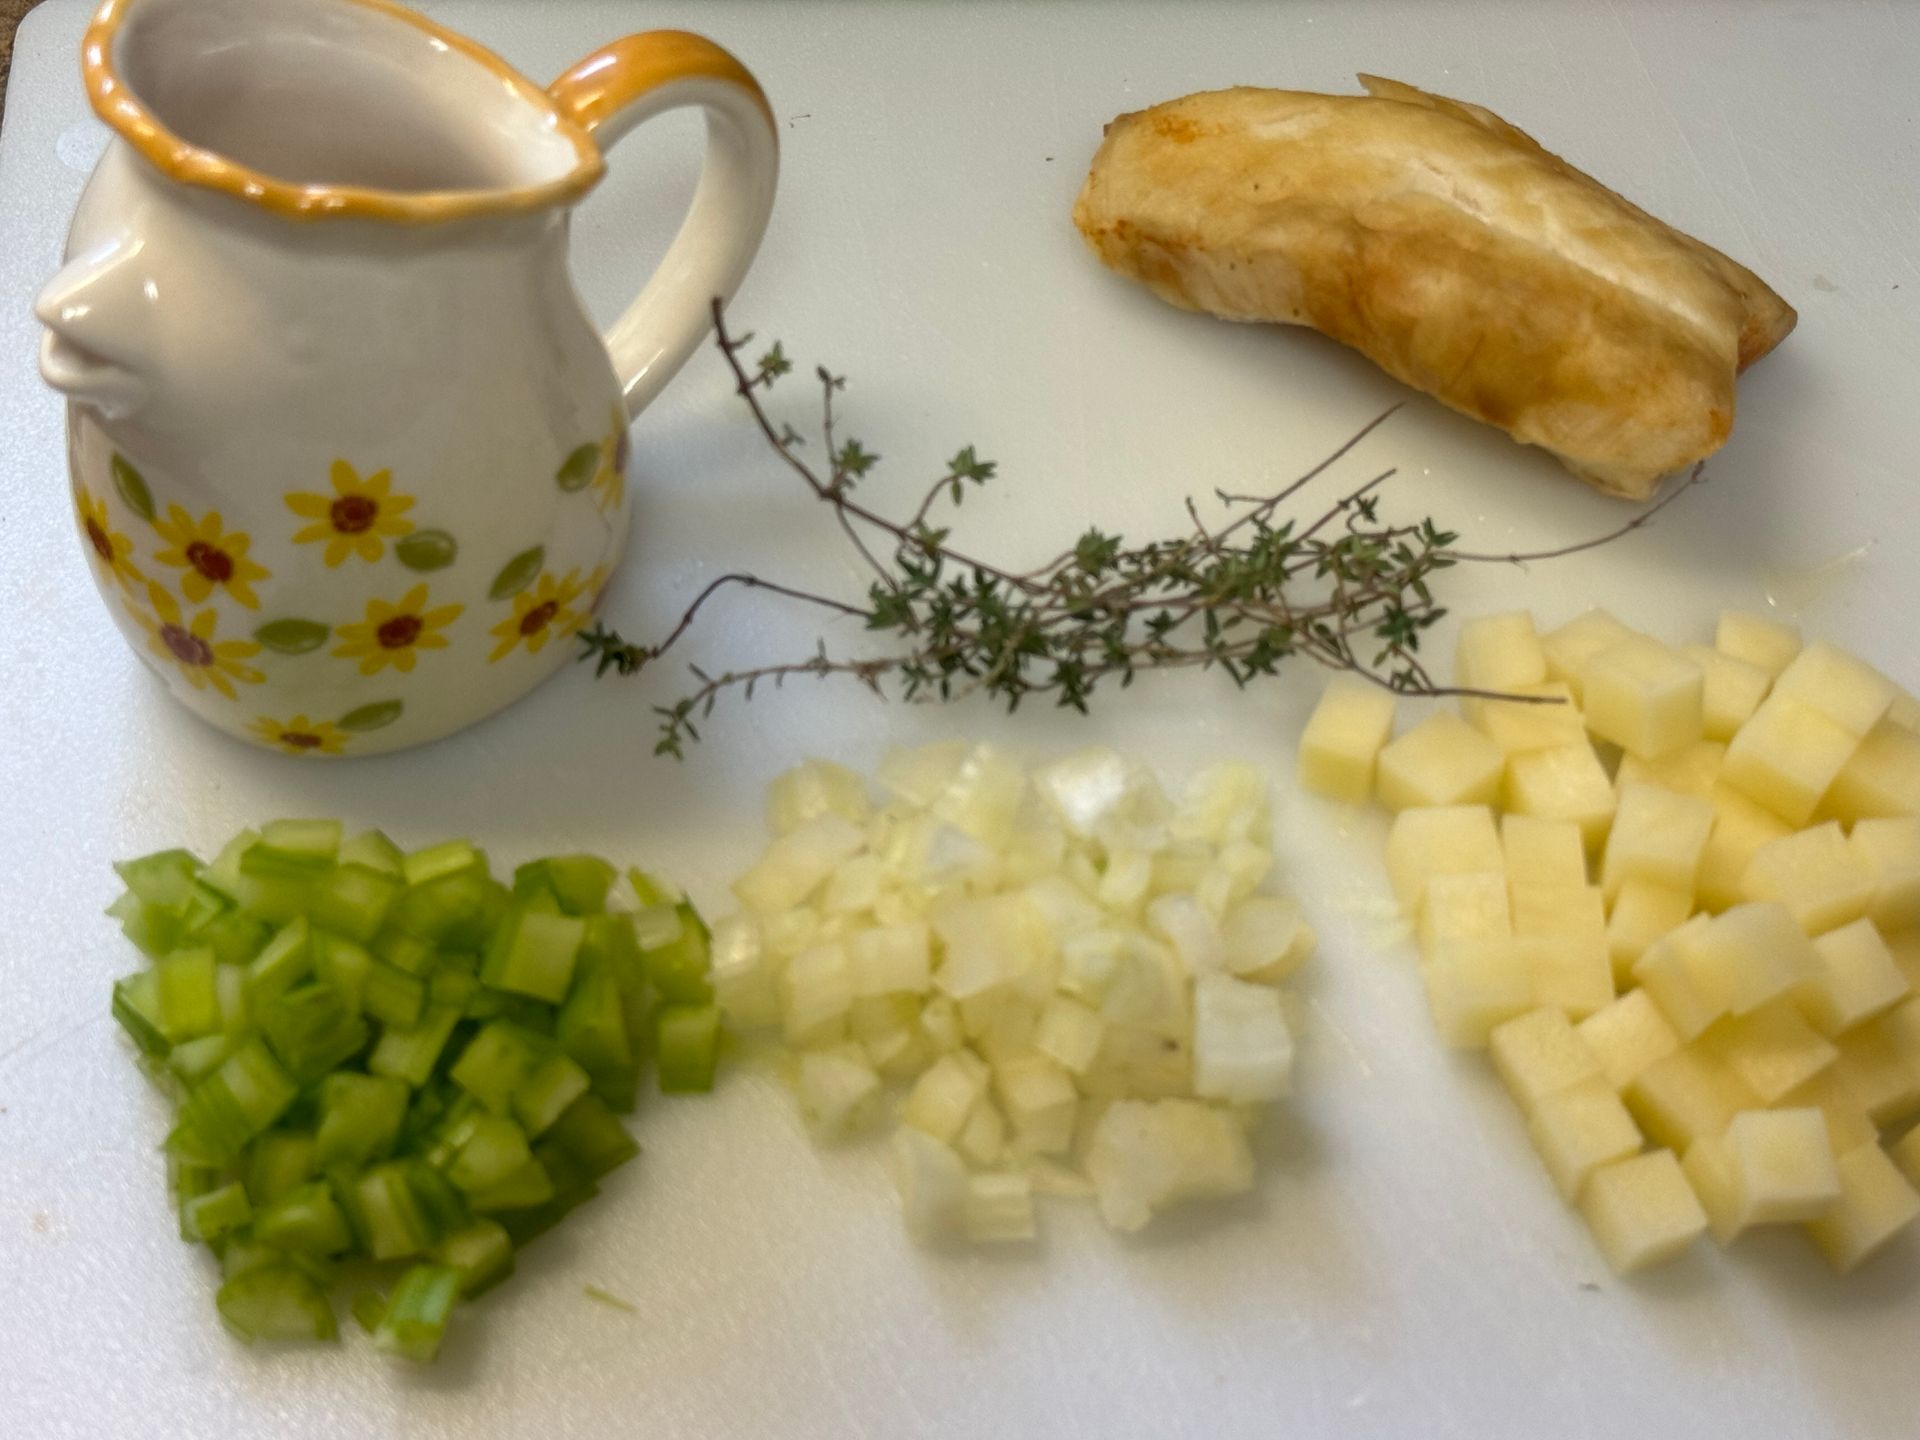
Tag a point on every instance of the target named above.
point(190, 164)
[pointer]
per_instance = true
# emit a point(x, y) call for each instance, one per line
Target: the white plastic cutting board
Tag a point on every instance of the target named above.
point(1404, 1269)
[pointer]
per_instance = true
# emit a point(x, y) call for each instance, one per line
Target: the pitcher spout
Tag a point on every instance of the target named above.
point(94, 313)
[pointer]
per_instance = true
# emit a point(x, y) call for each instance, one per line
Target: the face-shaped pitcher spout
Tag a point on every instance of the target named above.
point(95, 311)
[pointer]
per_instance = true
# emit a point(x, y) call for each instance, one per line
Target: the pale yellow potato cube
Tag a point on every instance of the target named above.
point(1463, 907)
point(1537, 1053)
point(1708, 1166)
point(1573, 974)
point(1497, 652)
point(1906, 1155)
point(1881, 778)
point(1741, 827)
point(1570, 647)
point(1787, 757)
point(1643, 696)
point(1734, 690)
point(1905, 709)
point(1744, 957)
point(1474, 985)
point(1628, 1036)
point(1441, 761)
point(1542, 852)
point(1548, 720)
point(1848, 1123)
point(1657, 835)
point(1562, 911)
point(1343, 739)
point(1815, 874)
point(1766, 644)
point(1843, 687)
point(1438, 840)
point(1641, 1211)
point(1578, 1129)
point(1773, 1051)
point(1691, 770)
point(1687, 1094)
point(1666, 974)
point(1567, 783)
point(1642, 912)
point(1888, 850)
point(1904, 945)
point(1876, 1203)
point(1783, 1165)
point(1880, 1063)
point(1854, 980)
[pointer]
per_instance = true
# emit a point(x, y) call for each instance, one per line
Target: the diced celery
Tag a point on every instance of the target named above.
point(481, 1254)
point(280, 1162)
point(437, 862)
point(393, 997)
point(591, 1028)
point(386, 1215)
point(164, 878)
point(136, 1005)
point(444, 1206)
point(292, 848)
point(539, 899)
point(369, 1307)
point(227, 1109)
point(189, 1004)
point(230, 990)
point(312, 1030)
point(687, 1047)
point(374, 850)
point(360, 1118)
point(495, 1063)
point(579, 882)
point(452, 905)
point(525, 1188)
point(342, 964)
point(283, 962)
point(276, 1302)
point(494, 1149)
point(592, 1135)
point(406, 952)
point(234, 936)
point(534, 954)
point(678, 969)
point(353, 900)
point(241, 1253)
point(415, 1319)
point(218, 1212)
point(185, 1180)
point(200, 909)
point(651, 889)
point(307, 1220)
point(554, 1084)
point(153, 929)
point(456, 989)
point(410, 1055)
point(193, 1060)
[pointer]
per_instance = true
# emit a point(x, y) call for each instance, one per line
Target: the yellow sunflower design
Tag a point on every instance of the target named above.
point(112, 551)
point(301, 736)
point(196, 647)
point(211, 555)
point(395, 634)
point(544, 608)
point(357, 519)
point(609, 482)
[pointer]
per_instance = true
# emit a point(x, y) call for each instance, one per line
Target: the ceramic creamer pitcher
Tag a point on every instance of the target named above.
point(348, 458)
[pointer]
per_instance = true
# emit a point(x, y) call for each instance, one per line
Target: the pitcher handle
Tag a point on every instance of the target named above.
point(630, 81)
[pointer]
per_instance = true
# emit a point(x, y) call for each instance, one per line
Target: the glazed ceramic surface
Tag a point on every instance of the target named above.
point(348, 458)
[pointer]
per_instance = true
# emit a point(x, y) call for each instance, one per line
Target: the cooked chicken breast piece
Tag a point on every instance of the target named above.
point(1450, 249)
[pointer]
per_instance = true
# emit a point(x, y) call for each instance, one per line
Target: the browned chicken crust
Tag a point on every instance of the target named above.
point(1450, 249)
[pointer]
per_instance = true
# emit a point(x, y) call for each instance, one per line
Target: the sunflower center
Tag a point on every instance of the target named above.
point(187, 648)
point(399, 632)
point(97, 537)
point(538, 618)
point(300, 740)
point(211, 561)
point(352, 514)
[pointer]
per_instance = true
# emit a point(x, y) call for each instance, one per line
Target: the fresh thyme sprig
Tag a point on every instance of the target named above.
point(1348, 589)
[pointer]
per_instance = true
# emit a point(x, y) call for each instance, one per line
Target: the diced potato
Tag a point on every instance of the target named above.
point(1766, 644)
point(1682, 1096)
point(1628, 1036)
point(1438, 840)
point(1544, 723)
point(1643, 696)
point(1657, 835)
point(1474, 985)
point(1907, 1156)
point(1642, 912)
point(1840, 686)
point(1876, 1203)
point(1855, 979)
point(1548, 852)
point(1691, 770)
point(1734, 690)
point(1904, 945)
point(1463, 907)
point(1497, 652)
point(1441, 761)
point(1889, 852)
point(1905, 709)
point(1708, 1166)
point(1772, 1051)
point(1787, 757)
point(1783, 1165)
point(1560, 911)
point(1574, 976)
point(1815, 874)
point(1881, 778)
point(1569, 648)
point(1848, 1123)
point(1538, 1053)
point(1880, 1062)
point(1342, 742)
point(1666, 973)
point(1567, 783)
point(1745, 957)
point(1578, 1129)
point(1641, 1211)
point(1741, 827)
